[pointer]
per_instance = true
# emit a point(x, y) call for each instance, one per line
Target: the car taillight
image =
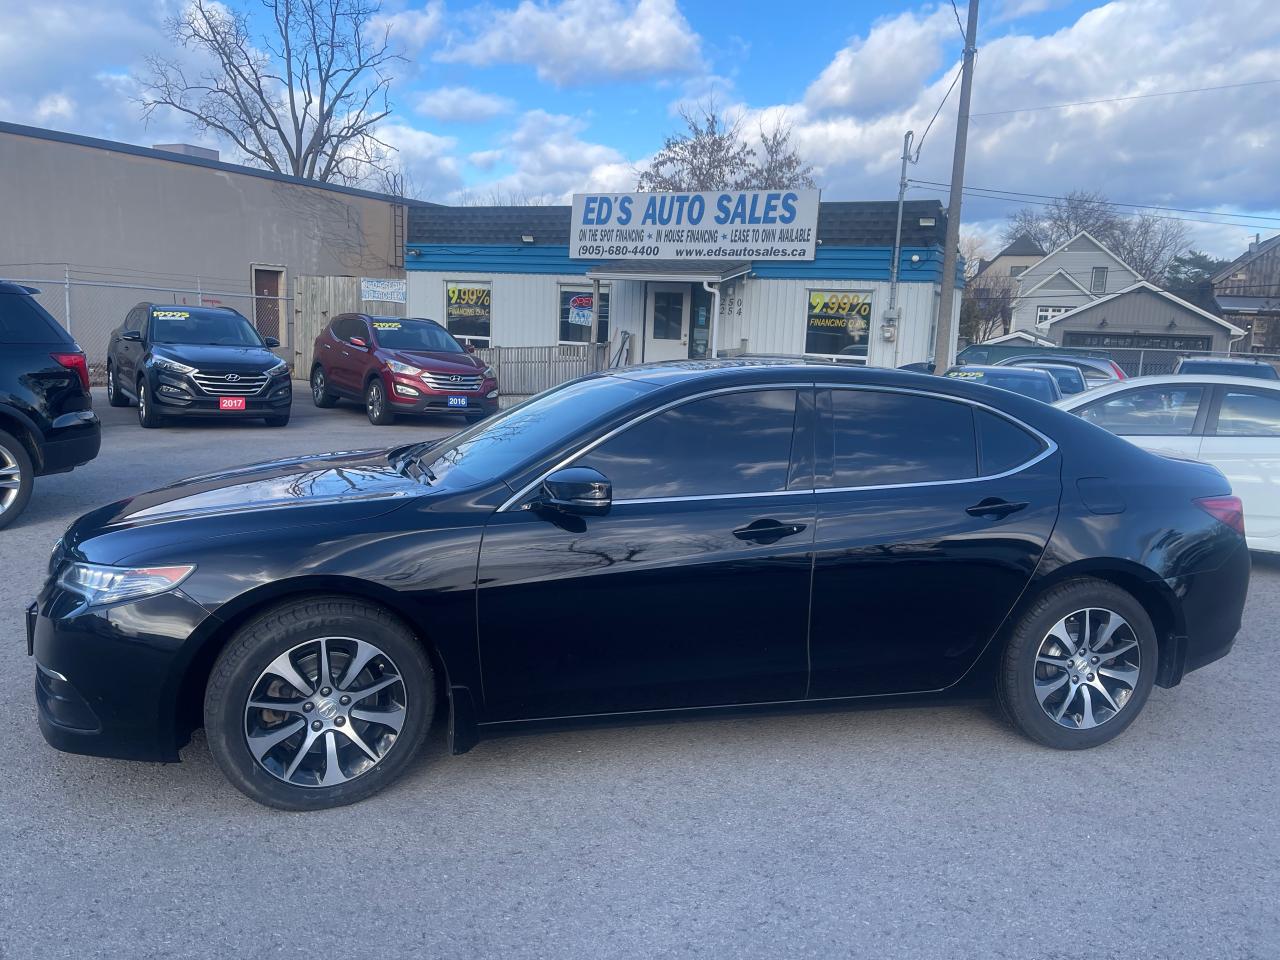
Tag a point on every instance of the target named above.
point(1119, 372)
point(1229, 510)
point(77, 363)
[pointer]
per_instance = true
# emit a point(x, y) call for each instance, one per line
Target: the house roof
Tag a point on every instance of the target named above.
point(1022, 246)
point(1245, 258)
point(57, 136)
point(1144, 285)
point(1059, 272)
point(1021, 335)
point(1092, 239)
point(1248, 304)
point(840, 224)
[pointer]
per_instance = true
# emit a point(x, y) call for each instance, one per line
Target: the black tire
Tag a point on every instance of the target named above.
point(281, 421)
point(376, 404)
point(115, 396)
point(321, 395)
point(242, 663)
point(1017, 679)
point(147, 416)
point(15, 463)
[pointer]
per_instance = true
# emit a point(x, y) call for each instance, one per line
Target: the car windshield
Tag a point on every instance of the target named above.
point(423, 335)
point(219, 328)
point(517, 437)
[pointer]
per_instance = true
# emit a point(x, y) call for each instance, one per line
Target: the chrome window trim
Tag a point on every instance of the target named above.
point(1050, 446)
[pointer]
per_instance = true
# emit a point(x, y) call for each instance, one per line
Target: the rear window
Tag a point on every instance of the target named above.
point(1029, 385)
point(22, 320)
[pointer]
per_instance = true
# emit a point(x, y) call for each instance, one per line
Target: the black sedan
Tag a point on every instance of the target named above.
point(180, 361)
point(662, 538)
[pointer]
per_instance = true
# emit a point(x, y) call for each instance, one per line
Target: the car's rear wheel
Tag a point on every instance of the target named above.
point(147, 415)
point(376, 405)
point(17, 475)
point(1079, 665)
point(318, 703)
point(320, 393)
point(115, 396)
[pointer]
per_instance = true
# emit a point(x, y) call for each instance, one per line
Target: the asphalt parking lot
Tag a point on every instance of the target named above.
point(925, 832)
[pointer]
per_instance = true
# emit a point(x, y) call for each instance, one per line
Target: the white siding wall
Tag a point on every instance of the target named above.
point(770, 314)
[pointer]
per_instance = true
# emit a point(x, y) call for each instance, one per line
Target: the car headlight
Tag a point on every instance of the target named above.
point(490, 373)
point(99, 583)
point(395, 366)
point(173, 366)
point(279, 370)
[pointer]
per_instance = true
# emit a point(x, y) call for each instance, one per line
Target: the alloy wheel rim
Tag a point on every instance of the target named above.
point(142, 400)
point(317, 385)
point(1087, 668)
point(375, 400)
point(111, 381)
point(10, 479)
point(325, 712)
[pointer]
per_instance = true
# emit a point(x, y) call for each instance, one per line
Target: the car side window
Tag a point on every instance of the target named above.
point(1002, 444)
point(1248, 413)
point(1164, 410)
point(879, 438)
point(729, 444)
point(133, 320)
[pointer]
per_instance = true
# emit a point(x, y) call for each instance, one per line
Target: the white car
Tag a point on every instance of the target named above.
point(1230, 422)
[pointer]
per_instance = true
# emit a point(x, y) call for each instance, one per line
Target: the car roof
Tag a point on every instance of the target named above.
point(1067, 359)
point(17, 288)
point(1241, 361)
point(189, 307)
point(1050, 366)
point(1167, 379)
point(382, 319)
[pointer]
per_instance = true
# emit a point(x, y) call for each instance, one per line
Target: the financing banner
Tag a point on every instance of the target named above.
point(727, 225)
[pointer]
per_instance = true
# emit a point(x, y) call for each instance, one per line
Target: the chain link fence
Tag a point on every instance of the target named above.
point(1150, 362)
point(90, 302)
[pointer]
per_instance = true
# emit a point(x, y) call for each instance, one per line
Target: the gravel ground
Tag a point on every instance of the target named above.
point(914, 833)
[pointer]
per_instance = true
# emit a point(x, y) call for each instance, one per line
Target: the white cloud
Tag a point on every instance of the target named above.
point(551, 162)
point(426, 158)
point(484, 159)
point(53, 107)
point(884, 69)
point(462, 104)
point(414, 28)
point(575, 42)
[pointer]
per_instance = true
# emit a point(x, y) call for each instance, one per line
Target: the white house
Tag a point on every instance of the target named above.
point(1077, 273)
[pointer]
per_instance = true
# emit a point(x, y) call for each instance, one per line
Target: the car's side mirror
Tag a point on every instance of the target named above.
point(576, 491)
point(133, 335)
point(359, 342)
point(271, 342)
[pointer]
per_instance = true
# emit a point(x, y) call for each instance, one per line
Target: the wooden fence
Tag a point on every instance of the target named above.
point(316, 301)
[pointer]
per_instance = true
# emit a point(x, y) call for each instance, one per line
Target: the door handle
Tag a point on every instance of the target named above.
point(768, 531)
point(994, 508)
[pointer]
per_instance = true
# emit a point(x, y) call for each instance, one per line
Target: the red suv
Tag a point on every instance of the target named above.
point(396, 366)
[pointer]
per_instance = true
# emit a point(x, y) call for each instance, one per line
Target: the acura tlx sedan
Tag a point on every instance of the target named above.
point(661, 538)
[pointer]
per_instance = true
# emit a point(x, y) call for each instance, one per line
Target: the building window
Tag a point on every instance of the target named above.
point(469, 311)
point(1044, 314)
point(837, 323)
point(1017, 271)
point(1098, 280)
point(1127, 341)
point(575, 315)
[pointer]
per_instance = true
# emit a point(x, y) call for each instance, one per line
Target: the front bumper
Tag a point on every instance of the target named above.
point(411, 395)
point(173, 396)
point(108, 679)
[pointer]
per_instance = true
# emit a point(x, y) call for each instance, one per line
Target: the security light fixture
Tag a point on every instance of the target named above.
point(526, 238)
point(928, 222)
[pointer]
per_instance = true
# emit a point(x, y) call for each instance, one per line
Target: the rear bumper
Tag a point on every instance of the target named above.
point(1213, 607)
point(73, 439)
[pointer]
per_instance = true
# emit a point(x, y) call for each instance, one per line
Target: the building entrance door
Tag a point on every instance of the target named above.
point(666, 334)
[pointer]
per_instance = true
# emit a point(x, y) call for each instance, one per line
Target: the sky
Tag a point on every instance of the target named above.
point(539, 99)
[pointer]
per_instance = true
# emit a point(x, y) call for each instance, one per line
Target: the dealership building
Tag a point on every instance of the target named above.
point(665, 277)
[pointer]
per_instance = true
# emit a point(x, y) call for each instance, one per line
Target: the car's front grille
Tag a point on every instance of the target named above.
point(452, 381)
point(229, 384)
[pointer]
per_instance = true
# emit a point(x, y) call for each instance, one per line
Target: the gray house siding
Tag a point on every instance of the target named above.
point(1140, 313)
point(1077, 259)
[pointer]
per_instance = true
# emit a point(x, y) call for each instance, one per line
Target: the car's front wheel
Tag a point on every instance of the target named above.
point(318, 703)
point(147, 415)
point(376, 405)
point(17, 475)
point(1079, 665)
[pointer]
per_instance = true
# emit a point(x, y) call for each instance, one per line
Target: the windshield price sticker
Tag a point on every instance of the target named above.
point(387, 325)
point(171, 315)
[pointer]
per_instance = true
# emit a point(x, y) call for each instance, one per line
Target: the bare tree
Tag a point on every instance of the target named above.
point(303, 98)
point(712, 154)
point(1146, 242)
point(987, 307)
point(974, 250)
point(498, 197)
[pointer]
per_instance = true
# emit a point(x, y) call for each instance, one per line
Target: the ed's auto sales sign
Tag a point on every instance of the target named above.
point(728, 225)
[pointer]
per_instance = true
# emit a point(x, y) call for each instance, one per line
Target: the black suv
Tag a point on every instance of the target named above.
point(47, 423)
point(177, 361)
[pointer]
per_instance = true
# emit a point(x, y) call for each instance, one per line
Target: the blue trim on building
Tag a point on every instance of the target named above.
point(831, 263)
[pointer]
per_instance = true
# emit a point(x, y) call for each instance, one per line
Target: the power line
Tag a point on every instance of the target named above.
point(1136, 96)
point(1044, 200)
point(920, 145)
point(956, 11)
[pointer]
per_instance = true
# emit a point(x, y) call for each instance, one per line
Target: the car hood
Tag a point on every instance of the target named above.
point(363, 482)
point(441, 362)
point(204, 356)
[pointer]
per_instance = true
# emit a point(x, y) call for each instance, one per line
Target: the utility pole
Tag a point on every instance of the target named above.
point(893, 314)
point(945, 344)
